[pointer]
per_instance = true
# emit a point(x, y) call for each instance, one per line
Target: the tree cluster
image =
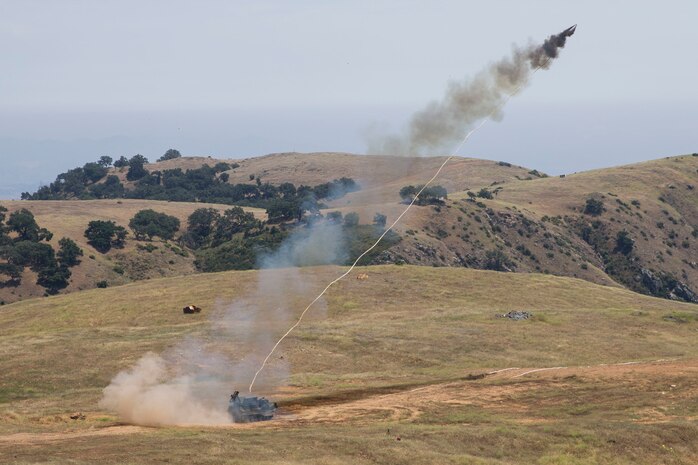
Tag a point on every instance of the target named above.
point(208, 227)
point(205, 184)
point(24, 244)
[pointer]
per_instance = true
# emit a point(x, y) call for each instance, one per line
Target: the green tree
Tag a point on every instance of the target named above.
point(151, 223)
point(484, 194)
point(69, 253)
point(283, 210)
point(54, 278)
point(407, 193)
point(121, 162)
point(429, 195)
point(93, 172)
point(136, 168)
point(35, 255)
point(169, 155)
point(4, 238)
point(433, 194)
point(200, 226)
point(111, 188)
point(221, 166)
point(105, 161)
point(23, 223)
point(3, 215)
point(103, 235)
point(379, 220)
point(234, 221)
point(12, 272)
point(351, 219)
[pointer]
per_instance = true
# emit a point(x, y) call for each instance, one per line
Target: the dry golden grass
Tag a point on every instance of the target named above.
point(402, 328)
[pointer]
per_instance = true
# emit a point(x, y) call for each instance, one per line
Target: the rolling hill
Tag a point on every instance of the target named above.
point(597, 375)
point(531, 223)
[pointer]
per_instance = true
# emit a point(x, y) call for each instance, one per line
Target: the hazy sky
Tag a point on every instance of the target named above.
point(80, 79)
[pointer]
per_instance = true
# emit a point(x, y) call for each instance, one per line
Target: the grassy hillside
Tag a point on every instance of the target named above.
point(390, 353)
point(532, 223)
point(69, 218)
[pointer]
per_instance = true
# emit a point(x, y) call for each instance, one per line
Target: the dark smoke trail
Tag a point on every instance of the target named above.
point(443, 123)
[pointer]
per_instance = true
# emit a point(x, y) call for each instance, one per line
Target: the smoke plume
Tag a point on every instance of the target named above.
point(191, 382)
point(442, 124)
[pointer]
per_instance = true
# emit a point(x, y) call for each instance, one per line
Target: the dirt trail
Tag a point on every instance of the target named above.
point(495, 390)
point(499, 390)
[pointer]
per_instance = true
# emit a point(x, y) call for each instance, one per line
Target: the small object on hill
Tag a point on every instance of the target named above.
point(516, 315)
point(191, 309)
point(77, 416)
point(361, 276)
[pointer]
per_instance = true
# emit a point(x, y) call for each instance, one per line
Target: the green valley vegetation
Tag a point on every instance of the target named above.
point(235, 240)
point(24, 244)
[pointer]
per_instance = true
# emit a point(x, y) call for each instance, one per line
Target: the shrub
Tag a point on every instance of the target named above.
point(136, 168)
point(102, 284)
point(593, 207)
point(497, 260)
point(484, 194)
point(624, 243)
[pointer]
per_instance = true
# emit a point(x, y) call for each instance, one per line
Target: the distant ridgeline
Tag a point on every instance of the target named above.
point(206, 184)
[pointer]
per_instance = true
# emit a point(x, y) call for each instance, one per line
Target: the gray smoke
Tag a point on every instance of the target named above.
point(191, 382)
point(442, 124)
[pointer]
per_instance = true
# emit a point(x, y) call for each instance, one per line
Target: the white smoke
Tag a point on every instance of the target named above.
point(191, 382)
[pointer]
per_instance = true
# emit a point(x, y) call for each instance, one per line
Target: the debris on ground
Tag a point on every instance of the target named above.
point(77, 416)
point(361, 276)
point(516, 315)
point(191, 309)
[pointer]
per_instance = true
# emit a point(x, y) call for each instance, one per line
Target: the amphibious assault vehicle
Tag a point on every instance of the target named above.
point(249, 409)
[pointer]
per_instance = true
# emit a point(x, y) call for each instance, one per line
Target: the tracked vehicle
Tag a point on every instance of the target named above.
point(249, 409)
